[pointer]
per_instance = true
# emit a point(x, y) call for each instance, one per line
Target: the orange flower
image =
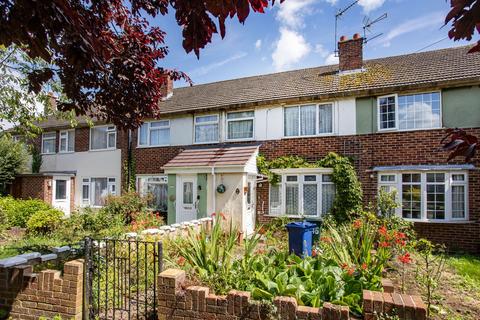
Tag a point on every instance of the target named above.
point(364, 266)
point(357, 224)
point(351, 271)
point(181, 261)
point(405, 258)
point(399, 235)
point(326, 239)
point(314, 252)
point(344, 266)
point(383, 231)
point(401, 242)
point(384, 244)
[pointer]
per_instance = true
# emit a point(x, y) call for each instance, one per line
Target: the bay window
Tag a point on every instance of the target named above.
point(308, 120)
point(206, 129)
point(103, 137)
point(303, 193)
point(155, 188)
point(155, 133)
point(430, 195)
point(240, 125)
point(409, 112)
point(48, 142)
point(67, 141)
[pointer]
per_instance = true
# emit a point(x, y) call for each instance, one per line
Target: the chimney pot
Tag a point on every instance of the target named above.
point(343, 38)
point(350, 53)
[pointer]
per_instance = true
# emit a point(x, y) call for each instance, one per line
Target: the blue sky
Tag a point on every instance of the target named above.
point(300, 33)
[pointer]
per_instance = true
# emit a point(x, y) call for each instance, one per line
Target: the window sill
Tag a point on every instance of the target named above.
point(65, 152)
point(311, 136)
point(407, 130)
point(150, 147)
point(97, 150)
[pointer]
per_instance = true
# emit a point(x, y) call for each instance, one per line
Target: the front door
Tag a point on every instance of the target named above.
point(187, 202)
point(61, 194)
point(251, 198)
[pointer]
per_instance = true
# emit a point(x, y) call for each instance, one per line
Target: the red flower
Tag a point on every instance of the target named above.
point(383, 231)
point(401, 242)
point(314, 252)
point(405, 258)
point(399, 235)
point(357, 224)
point(344, 266)
point(384, 244)
point(181, 261)
point(364, 266)
point(351, 271)
point(326, 239)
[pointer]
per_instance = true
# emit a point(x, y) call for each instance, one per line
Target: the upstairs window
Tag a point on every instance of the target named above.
point(240, 125)
point(308, 120)
point(67, 141)
point(48, 142)
point(206, 129)
point(103, 137)
point(409, 112)
point(156, 133)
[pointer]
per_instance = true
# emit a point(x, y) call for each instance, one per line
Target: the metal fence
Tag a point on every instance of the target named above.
point(120, 279)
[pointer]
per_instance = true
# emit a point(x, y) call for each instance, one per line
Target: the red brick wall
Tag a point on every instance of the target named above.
point(34, 186)
point(29, 296)
point(386, 149)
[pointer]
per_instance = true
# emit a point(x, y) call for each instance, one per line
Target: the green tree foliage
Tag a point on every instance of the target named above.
point(348, 199)
point(13, 157)
point(44, 221)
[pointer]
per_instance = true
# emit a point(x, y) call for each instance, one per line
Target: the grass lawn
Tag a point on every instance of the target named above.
point(467, 266)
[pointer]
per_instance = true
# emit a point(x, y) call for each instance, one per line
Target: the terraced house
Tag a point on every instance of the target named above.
point(387, 114)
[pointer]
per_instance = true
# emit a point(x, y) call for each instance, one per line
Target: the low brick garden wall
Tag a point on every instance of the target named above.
point(27, 295)
point(192, 303)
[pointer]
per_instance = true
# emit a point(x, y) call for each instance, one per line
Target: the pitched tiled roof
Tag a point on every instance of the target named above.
point(213, 157)
point(415, 69)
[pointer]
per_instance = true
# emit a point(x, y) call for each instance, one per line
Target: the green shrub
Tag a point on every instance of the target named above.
point(18, 211)
point(126, 205)
point(44, 221)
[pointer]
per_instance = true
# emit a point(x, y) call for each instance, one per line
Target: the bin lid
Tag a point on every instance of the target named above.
point(301, 225)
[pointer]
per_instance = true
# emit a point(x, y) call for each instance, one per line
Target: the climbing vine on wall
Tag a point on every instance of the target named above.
point(348, 199)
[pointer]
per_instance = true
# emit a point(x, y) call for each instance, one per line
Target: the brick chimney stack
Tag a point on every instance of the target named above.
point(167, 87)
point(350, 53)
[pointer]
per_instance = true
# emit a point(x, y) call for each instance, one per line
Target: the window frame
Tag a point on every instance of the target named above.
point(217, 122)
point(398, 185)
point(397, 125)
point(317, 120)
point(300, 174)
point(164, 177)
point(227, 121)
point(112, 188)
point(54, 138)
point(114, 130)
point(149, 130)
point(68, 133)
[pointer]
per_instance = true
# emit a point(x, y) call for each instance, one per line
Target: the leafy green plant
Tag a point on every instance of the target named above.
point(19, 211)
point(387, 203)
point(430, 270)
point(37, 159)
point(44, 221)
point(13, 157)
point(126, 205)
point(145, 220)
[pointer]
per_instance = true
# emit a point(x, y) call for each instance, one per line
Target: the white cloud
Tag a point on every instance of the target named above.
point(292, 13)
point(289, 49)
point(434, 19)
point(331, 59)
point(370, 5)
point(258, 44)
point(331, 2)
point(206, 69)
point(320, 49)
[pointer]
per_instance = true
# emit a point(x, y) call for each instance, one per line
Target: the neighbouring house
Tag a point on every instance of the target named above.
point(387, 114)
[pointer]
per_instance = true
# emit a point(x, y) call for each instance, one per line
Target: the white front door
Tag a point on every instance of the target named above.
point(187, 202)
point(61, 194)
point(250, 199)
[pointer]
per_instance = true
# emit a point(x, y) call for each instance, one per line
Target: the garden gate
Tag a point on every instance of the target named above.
point(120, 279)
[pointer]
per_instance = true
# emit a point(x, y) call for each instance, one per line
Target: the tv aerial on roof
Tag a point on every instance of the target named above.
point(367, 24)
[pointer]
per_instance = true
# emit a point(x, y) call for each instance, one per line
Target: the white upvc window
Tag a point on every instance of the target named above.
point(96, 189)
point(240, 125)
point(103, 137)
point(206, 129)
point(308, 120)
point(154, 134)
point(155, 187)
point(67, 141)
point(48, 142)
point(440, 196)
point(310, 194)
point(409, 112)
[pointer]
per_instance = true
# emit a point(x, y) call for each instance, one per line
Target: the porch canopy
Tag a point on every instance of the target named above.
point(232, 159)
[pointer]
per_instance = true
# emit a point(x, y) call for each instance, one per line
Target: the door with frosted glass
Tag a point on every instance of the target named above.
point(187, 202)
point(250, 199)
point(61, 194)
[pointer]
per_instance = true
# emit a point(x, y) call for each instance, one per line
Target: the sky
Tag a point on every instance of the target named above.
point(300, 34)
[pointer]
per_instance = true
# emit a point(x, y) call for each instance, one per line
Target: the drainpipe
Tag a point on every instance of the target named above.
point(214, 181)
point(129, 159)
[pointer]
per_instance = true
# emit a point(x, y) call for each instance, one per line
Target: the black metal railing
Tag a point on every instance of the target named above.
point(121, 279)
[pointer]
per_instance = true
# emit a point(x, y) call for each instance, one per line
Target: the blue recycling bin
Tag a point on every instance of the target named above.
point(300, 237)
